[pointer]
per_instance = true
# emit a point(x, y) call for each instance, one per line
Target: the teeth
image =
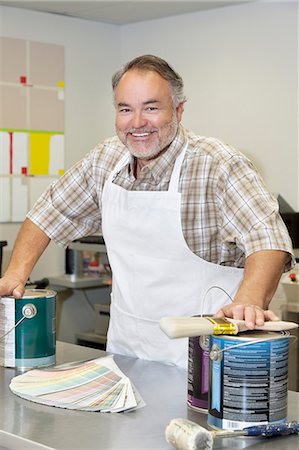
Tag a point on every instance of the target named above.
point(140, 134)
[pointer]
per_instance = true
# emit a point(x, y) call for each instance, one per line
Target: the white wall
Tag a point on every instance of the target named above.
point(240, 67)
point(92, 53)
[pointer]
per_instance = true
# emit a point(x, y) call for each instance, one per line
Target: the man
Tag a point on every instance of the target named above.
point(188, 224)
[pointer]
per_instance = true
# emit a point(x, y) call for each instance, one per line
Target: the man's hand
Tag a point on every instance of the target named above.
point(30, 244)
point(12, 285)
point(252, 314)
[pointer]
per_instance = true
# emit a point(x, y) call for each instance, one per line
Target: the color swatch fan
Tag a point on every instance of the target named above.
point(95, 385)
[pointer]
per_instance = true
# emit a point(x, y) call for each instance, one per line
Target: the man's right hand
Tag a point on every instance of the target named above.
point(30, 244)
point(11, 285)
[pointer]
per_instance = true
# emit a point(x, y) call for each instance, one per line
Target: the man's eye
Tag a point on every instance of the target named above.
point(152, 108)
point(124, 110)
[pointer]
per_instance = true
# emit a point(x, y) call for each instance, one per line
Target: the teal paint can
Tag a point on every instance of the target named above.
point(28, 330)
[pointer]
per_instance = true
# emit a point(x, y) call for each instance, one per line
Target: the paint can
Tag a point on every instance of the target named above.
point(28, 329)
point(248, 380)
point(198, 373)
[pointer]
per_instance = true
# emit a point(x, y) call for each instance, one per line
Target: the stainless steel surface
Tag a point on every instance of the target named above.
point(164, 391)
point(91, 336)
point(78, 282)
point(80, 246)
point(9, 441)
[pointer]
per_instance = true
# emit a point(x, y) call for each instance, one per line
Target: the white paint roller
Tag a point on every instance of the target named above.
point(183, 434)
point(179, 327)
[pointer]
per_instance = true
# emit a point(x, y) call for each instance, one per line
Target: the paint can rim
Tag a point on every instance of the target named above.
point(38, 293)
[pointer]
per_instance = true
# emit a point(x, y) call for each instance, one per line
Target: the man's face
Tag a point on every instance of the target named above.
point(146, 119)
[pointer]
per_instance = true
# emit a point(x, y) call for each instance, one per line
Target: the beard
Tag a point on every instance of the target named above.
point(158, 141)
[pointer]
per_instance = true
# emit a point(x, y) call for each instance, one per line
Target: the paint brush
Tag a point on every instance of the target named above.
point(184, 434)
point(178, 327)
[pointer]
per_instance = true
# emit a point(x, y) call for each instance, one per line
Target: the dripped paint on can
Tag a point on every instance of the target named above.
point(248, 380)
point(198, 373)
point(28, 325)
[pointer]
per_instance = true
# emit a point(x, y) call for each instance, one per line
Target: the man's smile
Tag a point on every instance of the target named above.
point(140, 134)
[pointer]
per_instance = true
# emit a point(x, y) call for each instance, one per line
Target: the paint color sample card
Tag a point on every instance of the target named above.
point(31, 122)
point(96, 385)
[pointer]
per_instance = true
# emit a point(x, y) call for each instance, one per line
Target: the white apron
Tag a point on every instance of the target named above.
point(155, 274)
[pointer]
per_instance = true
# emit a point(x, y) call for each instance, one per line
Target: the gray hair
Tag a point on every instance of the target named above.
point(154, 64)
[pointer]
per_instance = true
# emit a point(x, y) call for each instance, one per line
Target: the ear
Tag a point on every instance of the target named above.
point(179, 111)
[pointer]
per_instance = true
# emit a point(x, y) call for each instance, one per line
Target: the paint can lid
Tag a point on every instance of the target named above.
point(38, 293)
point(254, 336)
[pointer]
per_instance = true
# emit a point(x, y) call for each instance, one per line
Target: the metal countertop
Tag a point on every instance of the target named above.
point(30, 426)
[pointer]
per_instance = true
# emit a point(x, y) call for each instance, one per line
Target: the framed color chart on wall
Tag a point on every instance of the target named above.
point(31, 123)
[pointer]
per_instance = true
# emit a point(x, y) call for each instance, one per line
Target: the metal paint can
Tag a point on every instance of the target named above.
point(248, 380)
point(198, 373)
point(28, 329)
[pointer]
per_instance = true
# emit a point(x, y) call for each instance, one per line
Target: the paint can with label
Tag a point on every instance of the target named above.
point(248, 379)
point(198, 373)
point(28, 329)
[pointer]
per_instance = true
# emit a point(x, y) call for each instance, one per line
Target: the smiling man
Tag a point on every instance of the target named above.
point(146, 118)
point(188, 224)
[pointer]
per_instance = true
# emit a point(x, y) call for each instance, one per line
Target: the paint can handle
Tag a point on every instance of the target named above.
point(29, 311)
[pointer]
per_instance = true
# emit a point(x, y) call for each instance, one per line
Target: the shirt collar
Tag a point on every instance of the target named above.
point(158, 167)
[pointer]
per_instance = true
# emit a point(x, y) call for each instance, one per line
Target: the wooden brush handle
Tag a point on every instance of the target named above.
point(277, 325)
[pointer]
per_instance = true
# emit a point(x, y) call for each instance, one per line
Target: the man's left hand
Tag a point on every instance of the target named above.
point(252, 314)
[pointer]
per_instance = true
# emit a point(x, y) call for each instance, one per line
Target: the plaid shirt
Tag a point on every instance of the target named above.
point(226, 211)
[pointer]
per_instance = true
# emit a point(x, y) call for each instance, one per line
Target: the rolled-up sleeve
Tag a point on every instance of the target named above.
point(251, 216)
point(70, 208)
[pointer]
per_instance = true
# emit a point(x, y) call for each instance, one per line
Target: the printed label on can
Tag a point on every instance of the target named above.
point(7, 323)
point(198, 372)
point(248, 384)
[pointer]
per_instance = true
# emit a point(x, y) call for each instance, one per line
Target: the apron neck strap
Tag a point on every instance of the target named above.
point(175, 176)
point(119, 165)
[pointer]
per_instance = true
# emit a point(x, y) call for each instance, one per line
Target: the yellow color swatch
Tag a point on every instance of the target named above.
point(39, 153)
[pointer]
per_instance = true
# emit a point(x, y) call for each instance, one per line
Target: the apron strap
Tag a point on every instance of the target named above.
point(119, 165)
point(175, 176)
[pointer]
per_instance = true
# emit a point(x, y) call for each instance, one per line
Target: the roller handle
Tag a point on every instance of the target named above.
point(273, 430)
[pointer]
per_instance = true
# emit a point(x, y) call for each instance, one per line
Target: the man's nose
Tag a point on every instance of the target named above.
point(138, 120)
